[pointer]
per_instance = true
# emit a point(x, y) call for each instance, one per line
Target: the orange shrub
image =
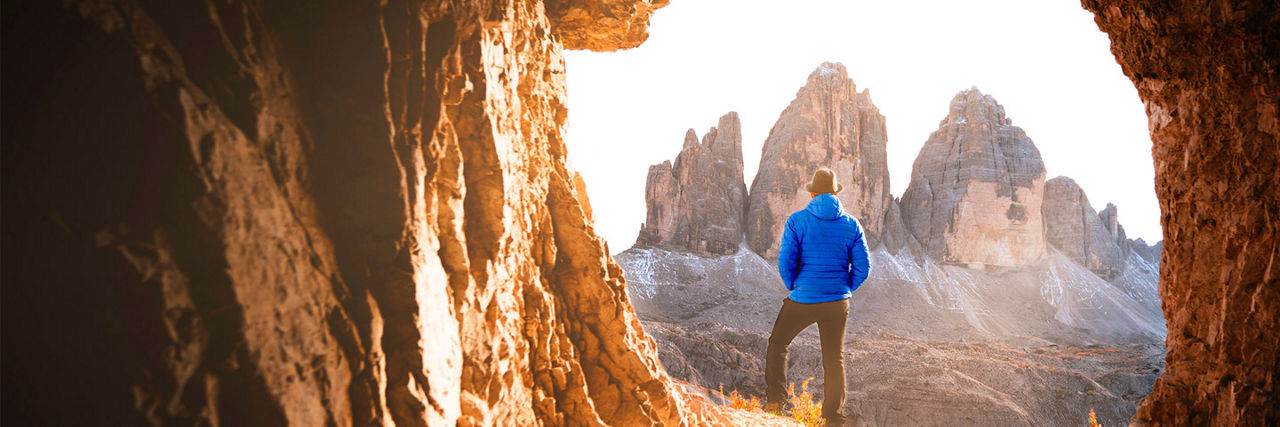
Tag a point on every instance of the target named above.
point(803, 408)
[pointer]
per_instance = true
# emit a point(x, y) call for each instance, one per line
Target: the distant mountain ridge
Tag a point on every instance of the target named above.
point(980, 248)
point(978, 195)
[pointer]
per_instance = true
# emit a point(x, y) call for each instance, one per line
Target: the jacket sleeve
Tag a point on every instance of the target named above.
point(789, 255)
point(859, 261)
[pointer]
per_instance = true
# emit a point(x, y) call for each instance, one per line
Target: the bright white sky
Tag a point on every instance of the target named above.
point(1045, 61)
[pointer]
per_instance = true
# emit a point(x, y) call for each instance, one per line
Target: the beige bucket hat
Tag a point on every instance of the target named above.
point(824, 181)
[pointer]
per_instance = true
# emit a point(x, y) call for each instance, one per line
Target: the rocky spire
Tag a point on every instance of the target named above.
point(831, 124)
point(1088, 238)
point(696, 203)
point(976, 188)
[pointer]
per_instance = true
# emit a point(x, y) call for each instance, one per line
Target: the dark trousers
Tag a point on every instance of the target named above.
point(793, 318)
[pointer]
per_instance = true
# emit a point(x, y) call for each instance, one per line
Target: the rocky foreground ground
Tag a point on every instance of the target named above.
point(927, 344)
point(898, 380)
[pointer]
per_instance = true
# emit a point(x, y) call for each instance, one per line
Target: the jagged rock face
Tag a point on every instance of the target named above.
point(894, 234)
point(696, 204)
point(830, 124)
point(1209, 75)
point(1150, 253)
point(602, 25)
point(348, 213)
point(976, 188)
point(1072, 226)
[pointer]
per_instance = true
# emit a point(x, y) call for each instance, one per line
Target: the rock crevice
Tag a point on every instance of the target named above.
point(249, 213)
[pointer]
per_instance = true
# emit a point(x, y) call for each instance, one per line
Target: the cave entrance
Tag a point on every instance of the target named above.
point(1034, 85)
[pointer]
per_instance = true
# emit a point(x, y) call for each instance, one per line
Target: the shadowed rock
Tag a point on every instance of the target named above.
point(337, 213)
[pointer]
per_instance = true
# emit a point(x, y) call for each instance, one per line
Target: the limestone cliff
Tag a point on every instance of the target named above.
point(831, 124)
point(1072, 226)
point(1209, 73)
point(894, 234)
point(696, 203)
point(976, 188)
point(320, 213)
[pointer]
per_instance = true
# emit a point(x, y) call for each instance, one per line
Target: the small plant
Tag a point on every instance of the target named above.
point(803, 408)
point(1093, 419)
point(737, 401)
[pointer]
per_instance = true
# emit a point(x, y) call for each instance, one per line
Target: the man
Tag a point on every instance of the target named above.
point(822, 260)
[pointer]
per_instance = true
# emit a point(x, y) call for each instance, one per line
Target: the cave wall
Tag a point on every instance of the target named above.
point(311, 213)
point(1208, 74)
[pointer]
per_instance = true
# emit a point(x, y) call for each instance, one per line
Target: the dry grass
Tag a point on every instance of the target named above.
point(737, 401)
point(804, 409)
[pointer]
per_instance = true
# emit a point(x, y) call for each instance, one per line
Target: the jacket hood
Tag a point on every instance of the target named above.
point(825, 207)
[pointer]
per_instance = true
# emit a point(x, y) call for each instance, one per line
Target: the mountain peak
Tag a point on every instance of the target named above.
point(695, 203)
point(971, 105)
point(830, 75)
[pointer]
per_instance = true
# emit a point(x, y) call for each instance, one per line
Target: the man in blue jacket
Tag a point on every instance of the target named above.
point(822, 260)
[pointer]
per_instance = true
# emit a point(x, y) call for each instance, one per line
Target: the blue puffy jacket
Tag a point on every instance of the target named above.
point(823, 257)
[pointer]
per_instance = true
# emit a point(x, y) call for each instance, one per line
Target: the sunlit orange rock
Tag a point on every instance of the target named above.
point(602, 25)
point(349, 213)
point(1209, 74)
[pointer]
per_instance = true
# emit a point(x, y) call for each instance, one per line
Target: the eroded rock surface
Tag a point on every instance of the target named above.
point(894, 234)
point(830, 124)
point(602, 25)
point(976, 188)
point(337, 213)
point(1072, 226)
point(696, 203)
point(1209, 74)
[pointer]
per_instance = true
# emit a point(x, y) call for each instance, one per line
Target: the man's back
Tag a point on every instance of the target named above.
point(822, 259)
point(822, 256)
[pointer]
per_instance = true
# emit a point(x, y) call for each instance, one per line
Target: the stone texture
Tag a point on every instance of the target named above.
point(831, 124)
point(1150, 253)
point(1088, 238)
point(696, 203)
point(331, 213)
point(1209, 74)
point(602, 25)
point(894, 234)
point(976, 188)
